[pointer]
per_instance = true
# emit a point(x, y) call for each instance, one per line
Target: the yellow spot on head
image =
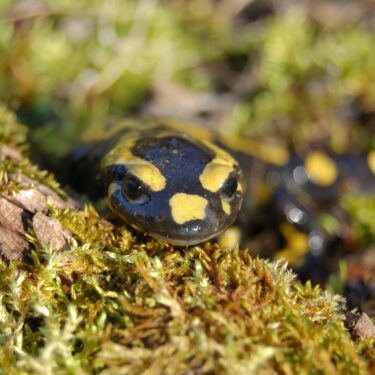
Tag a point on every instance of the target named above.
point(321, 168)
point(371, 161)
point(144, 170)
point(226, 206)
point(147, 173)
point(187, 207)
point(214, 175)
point(217, 170)
point(266, 152)
point(113, 188)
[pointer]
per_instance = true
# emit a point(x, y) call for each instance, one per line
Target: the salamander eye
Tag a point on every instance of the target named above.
point(134, 191)
point(229, 187)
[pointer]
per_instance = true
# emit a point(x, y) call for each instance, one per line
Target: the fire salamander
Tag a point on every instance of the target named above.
point(161, 180)
point(186, 188)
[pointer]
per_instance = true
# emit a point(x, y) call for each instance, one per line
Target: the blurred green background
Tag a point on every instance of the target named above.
point(296, 73)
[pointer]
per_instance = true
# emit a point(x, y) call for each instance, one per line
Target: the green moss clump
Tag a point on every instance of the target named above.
point(11, 132)
point(120, 302)
point(362, 211)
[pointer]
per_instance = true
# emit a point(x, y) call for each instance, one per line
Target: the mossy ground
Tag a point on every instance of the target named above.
point(299, 76)
point(122, 303)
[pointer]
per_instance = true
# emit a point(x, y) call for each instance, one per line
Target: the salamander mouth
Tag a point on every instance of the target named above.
point(179, 239)
point(183, 241)
point(163, 227)
point(190, 234)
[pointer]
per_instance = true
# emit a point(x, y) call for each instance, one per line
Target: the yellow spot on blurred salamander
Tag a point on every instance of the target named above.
point(321, 168)
point(371, 161)
point(297, 245)
point(230, 238)
point(187, 207)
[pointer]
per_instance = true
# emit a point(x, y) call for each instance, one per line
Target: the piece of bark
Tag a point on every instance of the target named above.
point(50, 232)
point(50, 196)
point(13, 245)
point(31, 200)
point(54, 199)
point(26, 209)
point(11, 216)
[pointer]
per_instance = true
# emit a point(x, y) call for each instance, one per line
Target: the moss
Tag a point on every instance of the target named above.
point(121, 302)
point(10, 130)
point(362, 211)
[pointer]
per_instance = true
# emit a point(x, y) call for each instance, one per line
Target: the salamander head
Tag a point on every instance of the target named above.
point(174, 187)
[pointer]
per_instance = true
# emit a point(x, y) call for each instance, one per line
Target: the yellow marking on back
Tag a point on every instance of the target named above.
point(273, 154)
point(221, 155)
point(144, 170)
point(100, 131)
point(371, 161)
point(226, 207)
point(321, 168)
point(196, 131)
point(187, 207)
